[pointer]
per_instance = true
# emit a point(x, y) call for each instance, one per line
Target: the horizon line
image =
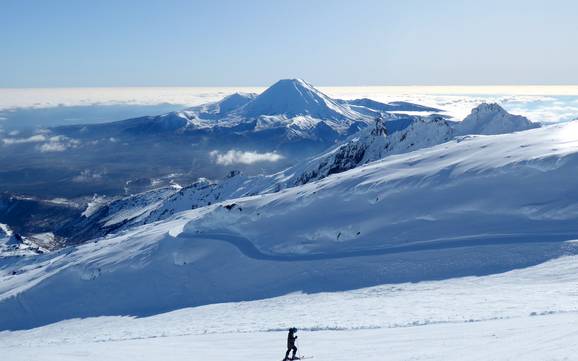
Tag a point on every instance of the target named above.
point(501, 89)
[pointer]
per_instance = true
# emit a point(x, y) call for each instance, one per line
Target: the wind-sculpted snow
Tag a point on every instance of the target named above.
point(474, 205)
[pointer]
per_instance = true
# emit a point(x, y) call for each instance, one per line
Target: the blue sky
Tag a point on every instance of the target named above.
point(67, 43)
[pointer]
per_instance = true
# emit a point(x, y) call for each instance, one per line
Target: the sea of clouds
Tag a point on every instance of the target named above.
point(540, 103)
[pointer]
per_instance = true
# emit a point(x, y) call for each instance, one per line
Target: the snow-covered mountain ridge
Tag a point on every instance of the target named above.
point(490, 118)
point(412, 191)
point(14, 245)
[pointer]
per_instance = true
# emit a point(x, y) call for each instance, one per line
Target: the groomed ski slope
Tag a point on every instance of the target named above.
point(526, 314)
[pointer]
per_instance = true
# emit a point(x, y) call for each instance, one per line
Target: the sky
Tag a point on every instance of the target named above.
point(114, 43)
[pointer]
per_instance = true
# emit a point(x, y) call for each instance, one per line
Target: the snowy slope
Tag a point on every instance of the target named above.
point(458, 208)
point(9, 242)
point(464, 188)
point(524, 314)
point(550, 338)
point(14, 245)
point(101, 218)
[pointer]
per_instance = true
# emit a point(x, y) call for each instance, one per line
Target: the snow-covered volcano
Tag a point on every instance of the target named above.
point(295, 97)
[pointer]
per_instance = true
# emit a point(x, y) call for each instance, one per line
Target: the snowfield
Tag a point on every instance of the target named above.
point(526, 314)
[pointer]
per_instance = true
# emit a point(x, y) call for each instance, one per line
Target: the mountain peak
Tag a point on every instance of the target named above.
point(294, 97)
point(234, 101)
point(488, 108)
point(293, 82)
point(491, 118)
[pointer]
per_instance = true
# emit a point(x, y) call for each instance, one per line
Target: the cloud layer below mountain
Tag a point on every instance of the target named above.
point(233, 157)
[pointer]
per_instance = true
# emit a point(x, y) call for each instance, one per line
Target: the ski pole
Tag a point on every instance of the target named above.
point(298, 348)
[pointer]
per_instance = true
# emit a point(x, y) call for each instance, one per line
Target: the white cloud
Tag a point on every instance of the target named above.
point(239, 157)
point(11, 99)
point(58, 143)
point(38, 138)
point(52, 147)
point(87, 176)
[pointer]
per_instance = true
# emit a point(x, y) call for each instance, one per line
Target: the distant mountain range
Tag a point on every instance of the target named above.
point(284, 117)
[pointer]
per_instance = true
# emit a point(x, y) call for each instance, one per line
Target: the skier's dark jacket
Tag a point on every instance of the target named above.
point(291, 339)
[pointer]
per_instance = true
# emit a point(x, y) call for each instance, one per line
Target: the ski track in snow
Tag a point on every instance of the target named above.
point(535, 339)
point(248, 248)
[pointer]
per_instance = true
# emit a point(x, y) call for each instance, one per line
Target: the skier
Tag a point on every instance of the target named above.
point(291, 337)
